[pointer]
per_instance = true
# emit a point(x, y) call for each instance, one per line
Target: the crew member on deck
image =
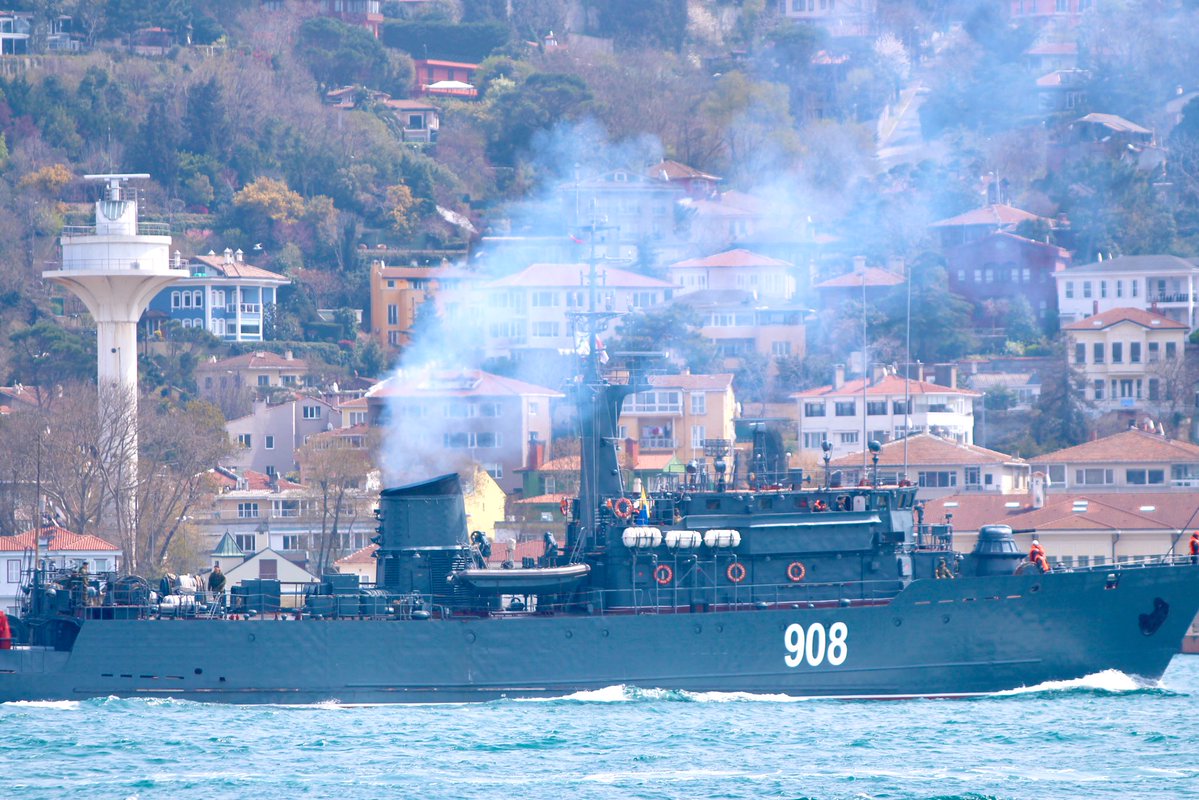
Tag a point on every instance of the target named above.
point(216, 582)
point(943, 571)
point(1035, 551)
point(1195, 547)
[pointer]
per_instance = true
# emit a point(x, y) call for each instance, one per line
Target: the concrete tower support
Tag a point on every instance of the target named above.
point(116, 267)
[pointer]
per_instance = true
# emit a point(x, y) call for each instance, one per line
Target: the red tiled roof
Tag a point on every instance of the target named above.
point(258, 360)
point(544, 499)
point(1109, 511)
point(410, 105)
point(925, 449)
point(363, 556)
point(1138, 316)
point(1115, 123)
point(255, 481)
point(718, 381)
point(238, 269)
point(998, 215)
point(569, 276)
point(464, 383)
point(62, 540)
point(357, 404)
point(891, 386)
point(1130, 446)
point(870, 276)
point(673, 171)
point(732, 258)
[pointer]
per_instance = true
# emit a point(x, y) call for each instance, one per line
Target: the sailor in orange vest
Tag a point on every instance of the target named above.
point(1041, 562)
point(1035, 551)
point(1195, 547)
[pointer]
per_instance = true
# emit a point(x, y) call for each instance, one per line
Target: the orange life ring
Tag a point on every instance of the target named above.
point(736, 572)
point(623, 508)
point(565, 506)
point(796, 571)
point(663, 574)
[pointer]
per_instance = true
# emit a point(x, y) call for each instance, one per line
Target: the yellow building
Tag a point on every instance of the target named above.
point(1131, 360)
point(397, 293)
point(679, 413)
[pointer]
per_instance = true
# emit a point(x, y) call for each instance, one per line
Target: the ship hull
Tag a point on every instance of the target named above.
point(935, 638)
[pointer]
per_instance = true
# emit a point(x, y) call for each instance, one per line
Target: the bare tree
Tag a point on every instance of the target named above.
point(336, 469)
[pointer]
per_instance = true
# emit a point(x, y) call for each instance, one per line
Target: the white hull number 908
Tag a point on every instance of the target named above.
point(813, 646)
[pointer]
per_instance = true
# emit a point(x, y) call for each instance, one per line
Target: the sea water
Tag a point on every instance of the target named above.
point(1106, 736)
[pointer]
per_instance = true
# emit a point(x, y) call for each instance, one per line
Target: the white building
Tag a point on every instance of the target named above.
point(59, 549)
point(529, 310)
point(882, 410)
point(1164, 284)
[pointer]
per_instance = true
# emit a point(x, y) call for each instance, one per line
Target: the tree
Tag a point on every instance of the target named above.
point(340, 54)
point(940, 320)
point(45, 355)
point(538, 104)
point(673, 328)
point(1059, 418)
point(335, 470)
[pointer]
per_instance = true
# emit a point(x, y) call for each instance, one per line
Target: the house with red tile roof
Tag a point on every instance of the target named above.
point(738, 323)
point(224, 295)
point(254, 373)
point(1001, 267)
point(979, 222)
point(884, 408)
point(1134, 460)
point(735, 270)
point(1076, 528)
point(59, 549)
point(449, 419)
point(678, 414)
point(938, 466)
point(1131, 361)
point(529, 310)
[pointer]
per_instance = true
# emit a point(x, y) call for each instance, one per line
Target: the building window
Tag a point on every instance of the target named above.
point(845, 408)
point(174, 299)
point(1134, 352)
point(1098, 353)
point(1132, 285)
point(264, 380)
point(815, 409)
point(312, 412)
point(1086, 288)
point(495, 470)
point(848, 437)
point(270, 470)
point(293, 541)
point(1155, 391)
point(938, 479)
point(245, 542)
point(14, 570)
point(698, 434)
point(393, 314)
point(973, 476)
point(544, 299)
point(813, 441)
point(1103, 289)
point(1145, 477)
point(1069, 290)
point(245, 440)
point(901, 406)
point(1154, 352)
point(247, 510)
point(876, 408)
point(270, 442)
point(1094, 477)
point(268, 569)
point(699, 403)
point(1117, 352)
point(1057, 474)
point(198, 298)
point(1119, 288)
point(1171, 351)
point(1098, 390)
point(1080, 354)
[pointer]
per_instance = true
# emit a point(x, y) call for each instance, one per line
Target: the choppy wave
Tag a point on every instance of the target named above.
point(1101, 683)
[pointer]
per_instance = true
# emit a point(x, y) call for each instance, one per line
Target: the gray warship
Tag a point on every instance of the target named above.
point(746, 576)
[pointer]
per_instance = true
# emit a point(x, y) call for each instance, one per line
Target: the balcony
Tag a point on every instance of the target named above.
point(1170, 297)
point(657, 443)
point(251, 308)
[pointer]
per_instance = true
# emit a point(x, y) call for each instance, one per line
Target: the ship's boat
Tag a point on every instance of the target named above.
point(746, 575)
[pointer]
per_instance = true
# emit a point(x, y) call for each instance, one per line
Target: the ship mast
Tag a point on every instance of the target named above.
point(598, 403)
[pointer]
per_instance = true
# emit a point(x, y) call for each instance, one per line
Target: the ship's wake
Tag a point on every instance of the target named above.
point(1108, 682)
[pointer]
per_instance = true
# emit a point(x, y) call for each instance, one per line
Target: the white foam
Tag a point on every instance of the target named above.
point(64, 705)
point(1110, 680)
